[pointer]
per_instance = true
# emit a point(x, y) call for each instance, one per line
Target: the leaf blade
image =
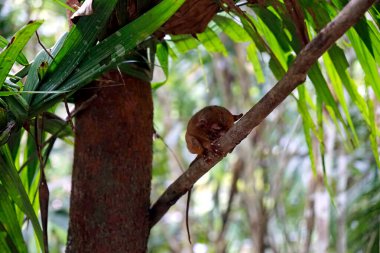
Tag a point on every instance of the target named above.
point(12, 183)
point(9, 55)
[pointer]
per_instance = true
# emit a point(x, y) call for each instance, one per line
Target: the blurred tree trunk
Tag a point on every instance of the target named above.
point(111, 179)
point(322, 203)
point(254, 196)
point(341, 244)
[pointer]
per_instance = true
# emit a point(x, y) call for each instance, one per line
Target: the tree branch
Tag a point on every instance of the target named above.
point(296, 75)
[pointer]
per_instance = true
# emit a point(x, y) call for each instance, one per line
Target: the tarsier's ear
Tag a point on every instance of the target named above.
point(201, 123)
point(236, 117)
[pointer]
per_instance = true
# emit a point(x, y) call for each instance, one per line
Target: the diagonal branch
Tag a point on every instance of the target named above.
point(296, 75)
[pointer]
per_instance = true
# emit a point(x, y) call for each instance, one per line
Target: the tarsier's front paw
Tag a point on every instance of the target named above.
point(206, 158)
point(216, 149)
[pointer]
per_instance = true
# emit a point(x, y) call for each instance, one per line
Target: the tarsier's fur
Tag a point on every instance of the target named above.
point(206, 126)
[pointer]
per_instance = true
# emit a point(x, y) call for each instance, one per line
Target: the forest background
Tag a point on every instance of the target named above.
point(305, 180)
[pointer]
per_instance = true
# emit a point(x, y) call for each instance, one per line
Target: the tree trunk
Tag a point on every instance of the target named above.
point(111, 178)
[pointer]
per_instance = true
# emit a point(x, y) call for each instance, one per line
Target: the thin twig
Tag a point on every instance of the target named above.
point(296, 75)
point(82, 106)
point(42, 45)
point(43, 188)
point(69, 116)
point(158, 136)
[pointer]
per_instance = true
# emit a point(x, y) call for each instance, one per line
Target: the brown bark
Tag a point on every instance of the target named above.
point(112, 169)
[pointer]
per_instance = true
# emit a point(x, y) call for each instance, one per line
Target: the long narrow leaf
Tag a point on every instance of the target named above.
point(184, 43)
point(9, 220)
point(9, 55)
point(77, 44)
point(336, 74)
point(211, 42)
point(21, 59)
point(4, 247)
point(32, 79)
point(12, 183)
point(374, 134)
point(325, 94)
point(162, 54)
point(232, 29)
point(367, 62)
point(308, 125)
point(254, 59)
point(277, 62)
point(110, 51)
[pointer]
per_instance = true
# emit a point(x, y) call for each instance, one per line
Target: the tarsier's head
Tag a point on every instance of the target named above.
point(213, 129)
point(217, 130)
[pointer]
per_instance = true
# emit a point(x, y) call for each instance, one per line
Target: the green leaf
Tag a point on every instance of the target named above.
point(336, 71)
point(14, 142)
point(21, 59)
point(172, 54)
point(110, 52)
point(375, 41)
point(308, 125)
point(64, 5)
point(3, 117)
point(254, 59)
point(32, 80)
point(138, 65)
point(341, 66)
point(9, 55)
point(278, 61)
point(374, 133)
point(9, 220)
point(375, 14)
point(78, 42)
point(6, 132)
point(18, 106)
point(184, 43)
point(367, 62)
point(232, 29)
point(15, 189)
point(275, 26)
point(210, 40)
point(28, 174)
point(325, 94)
point(4, 247)
point(363, 30)
point(162, 54)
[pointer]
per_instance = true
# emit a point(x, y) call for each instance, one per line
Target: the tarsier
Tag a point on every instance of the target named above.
point(206, 126)
point(203, 129)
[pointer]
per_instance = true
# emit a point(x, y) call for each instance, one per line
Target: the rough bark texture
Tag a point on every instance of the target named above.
point(112, 170)
point(193, 17)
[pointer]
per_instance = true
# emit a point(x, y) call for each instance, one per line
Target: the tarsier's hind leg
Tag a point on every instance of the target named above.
point(194, 145)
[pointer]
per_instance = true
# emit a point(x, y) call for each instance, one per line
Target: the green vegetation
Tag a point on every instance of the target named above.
point(305, 180)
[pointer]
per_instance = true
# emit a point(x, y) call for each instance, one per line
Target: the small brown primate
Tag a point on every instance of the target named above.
point(203, 129)
point(206, 126)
